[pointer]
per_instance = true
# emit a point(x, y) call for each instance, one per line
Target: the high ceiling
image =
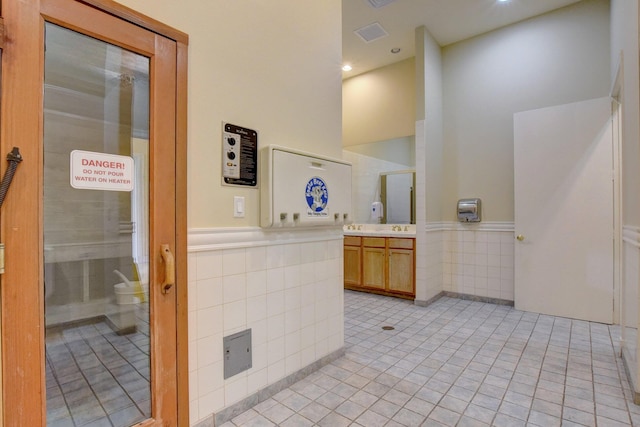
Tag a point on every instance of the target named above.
point(448, 21)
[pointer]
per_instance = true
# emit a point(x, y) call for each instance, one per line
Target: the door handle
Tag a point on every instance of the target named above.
point(520, 237)
point(169, 268)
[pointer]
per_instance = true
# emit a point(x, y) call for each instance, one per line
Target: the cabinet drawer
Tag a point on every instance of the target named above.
point(352, 240)
point(373, 242)
point(401, 243)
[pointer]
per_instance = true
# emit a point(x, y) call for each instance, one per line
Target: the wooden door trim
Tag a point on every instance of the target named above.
point(20, 304)
point(139, 19)
point(23, 371)
point(181, 234)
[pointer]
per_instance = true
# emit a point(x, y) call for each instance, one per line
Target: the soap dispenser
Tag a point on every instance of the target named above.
point(376, 211)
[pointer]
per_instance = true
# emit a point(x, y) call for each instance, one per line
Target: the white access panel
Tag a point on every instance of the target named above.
point(300, 189)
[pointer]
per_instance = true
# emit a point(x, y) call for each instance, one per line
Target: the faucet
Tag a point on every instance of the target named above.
point(396, 228)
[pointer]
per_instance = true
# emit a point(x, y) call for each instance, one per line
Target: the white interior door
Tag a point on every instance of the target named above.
point(564, 210)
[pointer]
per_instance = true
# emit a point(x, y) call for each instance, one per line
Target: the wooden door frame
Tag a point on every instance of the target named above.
point(21, 305)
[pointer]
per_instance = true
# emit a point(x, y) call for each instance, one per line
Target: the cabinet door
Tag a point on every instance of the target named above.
point(401, 271)
point(373, 266)
point(352, 262)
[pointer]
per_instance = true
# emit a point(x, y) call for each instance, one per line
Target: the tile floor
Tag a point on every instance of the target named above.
point(458, 363)
point(96, 377)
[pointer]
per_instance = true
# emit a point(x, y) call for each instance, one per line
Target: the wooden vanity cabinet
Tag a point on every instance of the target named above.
point(384, 265)
point(401, 256)
point(352, 261)
point(374, 260)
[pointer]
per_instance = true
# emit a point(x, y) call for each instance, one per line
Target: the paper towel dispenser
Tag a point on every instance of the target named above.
point(300, 189)
point(469, 210)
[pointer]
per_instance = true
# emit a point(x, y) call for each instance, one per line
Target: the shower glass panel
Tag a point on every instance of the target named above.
point(96, 227)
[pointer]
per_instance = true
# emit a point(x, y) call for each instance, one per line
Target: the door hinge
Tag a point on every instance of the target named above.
point(1, 258)
point(1, 32)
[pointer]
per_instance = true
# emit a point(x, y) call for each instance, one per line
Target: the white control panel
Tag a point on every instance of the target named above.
point(239, 156)
point(231, 155)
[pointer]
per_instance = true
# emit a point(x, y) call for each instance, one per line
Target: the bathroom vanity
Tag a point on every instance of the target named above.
point(380, 259)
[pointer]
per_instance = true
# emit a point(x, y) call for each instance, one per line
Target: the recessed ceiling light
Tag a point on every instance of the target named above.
point(347, 67)
point(502, 1)
point(396, 50)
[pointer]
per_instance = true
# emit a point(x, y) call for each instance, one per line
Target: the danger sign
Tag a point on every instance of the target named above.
point(101, 171)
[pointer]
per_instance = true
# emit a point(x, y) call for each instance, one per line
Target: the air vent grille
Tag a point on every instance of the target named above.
point(379, 3)
point(371, 32)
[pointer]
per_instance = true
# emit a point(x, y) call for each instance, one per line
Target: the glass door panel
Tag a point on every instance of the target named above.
point(96, 231)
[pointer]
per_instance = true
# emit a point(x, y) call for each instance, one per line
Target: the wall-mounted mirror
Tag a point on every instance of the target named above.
point(368, 162)
point(397, 193)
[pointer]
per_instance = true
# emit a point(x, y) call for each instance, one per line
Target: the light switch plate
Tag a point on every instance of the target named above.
point(238, 207)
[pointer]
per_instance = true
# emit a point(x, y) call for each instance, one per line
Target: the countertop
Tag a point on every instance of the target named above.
point(380, 230)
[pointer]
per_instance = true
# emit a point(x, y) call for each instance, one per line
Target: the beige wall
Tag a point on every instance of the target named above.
point(553, 59)
point(271, 66)
point(380, 104)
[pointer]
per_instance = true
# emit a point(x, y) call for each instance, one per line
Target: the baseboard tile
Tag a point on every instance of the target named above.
point(469, 297)
point(428, 302)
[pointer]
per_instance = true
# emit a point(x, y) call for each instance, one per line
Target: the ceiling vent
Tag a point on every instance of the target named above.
point(379, 3)
point(371, 32)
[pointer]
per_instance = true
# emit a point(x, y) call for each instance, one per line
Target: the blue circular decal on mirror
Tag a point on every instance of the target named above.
point(317, 194)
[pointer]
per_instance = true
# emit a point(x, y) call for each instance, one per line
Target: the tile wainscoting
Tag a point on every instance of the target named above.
point(286, 286)
point(474, 259)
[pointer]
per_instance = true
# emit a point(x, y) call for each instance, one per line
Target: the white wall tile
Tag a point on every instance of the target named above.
point(275, 304)
point(275, 279)
point(193, 385)
point(292, 363)
point(256, 309)
point(285, 293)
point(259, 332)
point(234, 288)
point(292, 320)
point(292, 298)
point(260, 355)
point(209, 350)
point(275, 349)
point(292, 276)
point(233, 261)
point(194, 413)
point(256, 258)
point(275, 256)
point(193, 355)
point(256, 283)
point(275, 371)
point(208, 264)
point(209, 321)
point(208, 293)
point(210, 378)
point(291, 255)
point(235, 316)
point(211, 402)
point(477, 262)
point(235, 390)
point(256, 381)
